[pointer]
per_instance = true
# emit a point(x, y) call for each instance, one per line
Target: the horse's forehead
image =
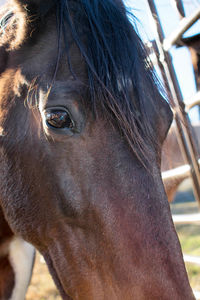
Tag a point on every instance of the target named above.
point(41, 58)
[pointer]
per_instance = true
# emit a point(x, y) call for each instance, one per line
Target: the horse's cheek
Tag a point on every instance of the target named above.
point(5, 194)
point(12, 197)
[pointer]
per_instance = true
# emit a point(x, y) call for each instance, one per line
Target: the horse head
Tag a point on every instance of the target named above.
point(83, 123)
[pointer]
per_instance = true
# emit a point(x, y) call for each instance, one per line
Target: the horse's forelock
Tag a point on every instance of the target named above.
point(118, 76)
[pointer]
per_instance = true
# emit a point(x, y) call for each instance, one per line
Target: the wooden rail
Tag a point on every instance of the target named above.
point(192, 259)
point(184, 24)
point(197, 295)
point(187, 219)
point(172, 174)
point(195, 100)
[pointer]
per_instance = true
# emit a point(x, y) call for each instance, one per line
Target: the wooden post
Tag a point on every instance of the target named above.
point(184, 135)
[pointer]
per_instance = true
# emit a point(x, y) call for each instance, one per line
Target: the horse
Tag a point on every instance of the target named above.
point(82, 123)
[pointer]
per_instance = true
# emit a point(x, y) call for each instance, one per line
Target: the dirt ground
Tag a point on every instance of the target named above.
point(42, 286)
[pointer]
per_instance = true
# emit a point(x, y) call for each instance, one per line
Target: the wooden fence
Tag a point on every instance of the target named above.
point(159, 51)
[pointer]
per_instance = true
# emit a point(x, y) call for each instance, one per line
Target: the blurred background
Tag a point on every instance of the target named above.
point(183, 206)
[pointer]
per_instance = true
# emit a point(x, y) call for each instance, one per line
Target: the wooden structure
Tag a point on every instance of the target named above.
point(160, 49)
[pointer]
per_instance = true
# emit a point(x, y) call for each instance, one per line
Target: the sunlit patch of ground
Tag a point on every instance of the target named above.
point(189, 236)
point(42, 286)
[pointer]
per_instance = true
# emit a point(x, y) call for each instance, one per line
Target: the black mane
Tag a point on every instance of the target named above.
point(120, 78)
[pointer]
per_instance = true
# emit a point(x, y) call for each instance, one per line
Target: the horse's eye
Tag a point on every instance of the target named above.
point(59, 119)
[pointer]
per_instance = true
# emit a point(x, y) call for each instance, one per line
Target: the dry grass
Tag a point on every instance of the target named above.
point(42, 286)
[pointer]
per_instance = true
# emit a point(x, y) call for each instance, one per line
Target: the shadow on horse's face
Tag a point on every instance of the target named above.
point(72, 186)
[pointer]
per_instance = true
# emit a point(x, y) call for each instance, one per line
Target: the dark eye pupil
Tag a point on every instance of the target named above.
point(59, 119)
